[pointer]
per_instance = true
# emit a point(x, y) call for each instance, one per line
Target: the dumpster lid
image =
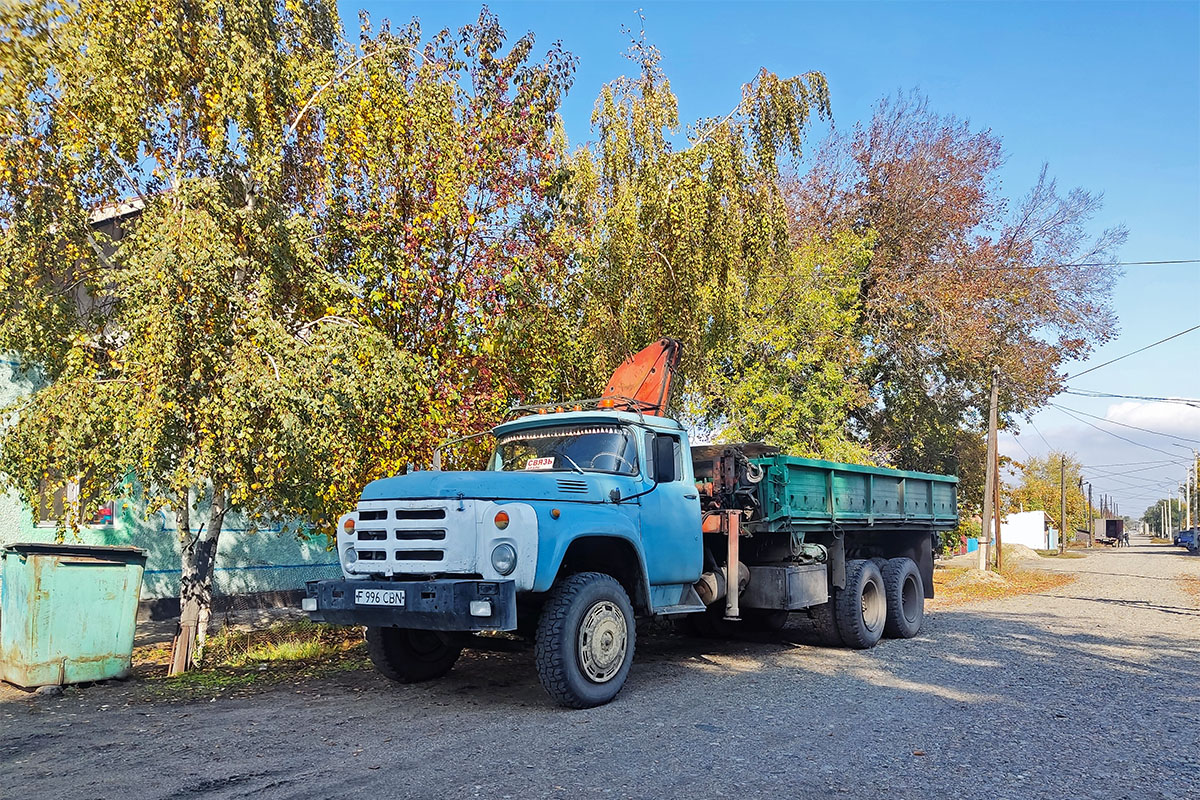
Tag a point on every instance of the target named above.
point(110, 552)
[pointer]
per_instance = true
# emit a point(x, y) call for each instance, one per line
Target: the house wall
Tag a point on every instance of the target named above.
point(247, 562)
point(1027, 528)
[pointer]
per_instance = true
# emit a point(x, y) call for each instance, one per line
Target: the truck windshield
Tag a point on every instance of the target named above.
point(588, 448)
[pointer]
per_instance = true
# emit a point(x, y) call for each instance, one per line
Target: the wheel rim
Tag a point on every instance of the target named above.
point(910, 600)
point(874, 606)
point(602, 641)
point(427, 645)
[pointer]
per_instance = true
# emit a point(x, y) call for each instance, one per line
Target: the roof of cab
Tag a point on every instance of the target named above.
point(596, 416)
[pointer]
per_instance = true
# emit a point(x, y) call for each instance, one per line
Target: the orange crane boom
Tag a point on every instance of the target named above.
point(643, 381)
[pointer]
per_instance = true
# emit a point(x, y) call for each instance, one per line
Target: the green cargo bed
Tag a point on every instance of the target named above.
point(812, 495)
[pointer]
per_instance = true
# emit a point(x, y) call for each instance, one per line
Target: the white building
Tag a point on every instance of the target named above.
point(1030, 528)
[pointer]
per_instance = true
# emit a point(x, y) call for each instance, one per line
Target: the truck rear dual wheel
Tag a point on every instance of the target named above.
point(408, 656)
point(861, 609)
point(905, 598)
point(585, 640)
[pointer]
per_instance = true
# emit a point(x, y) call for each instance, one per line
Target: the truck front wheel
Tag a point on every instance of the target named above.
point(861, 607)
point(408, 656)
point(585, 640)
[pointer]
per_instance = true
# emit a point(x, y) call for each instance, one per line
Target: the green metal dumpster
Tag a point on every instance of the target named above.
point(68, 612)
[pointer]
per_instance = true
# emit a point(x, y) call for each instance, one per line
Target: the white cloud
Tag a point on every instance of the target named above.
point(1136, 468)
point(1174, 418)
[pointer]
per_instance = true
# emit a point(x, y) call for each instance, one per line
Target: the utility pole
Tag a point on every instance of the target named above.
point(1195, 486)
point(1062, 513)
point(996, 515)
point(985, 532)
point(1091, 523)
point(1187, 498)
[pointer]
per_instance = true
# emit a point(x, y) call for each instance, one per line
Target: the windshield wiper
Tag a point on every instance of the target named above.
point(570, 461)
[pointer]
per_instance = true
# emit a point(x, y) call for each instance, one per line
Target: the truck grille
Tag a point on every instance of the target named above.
point(416, 536)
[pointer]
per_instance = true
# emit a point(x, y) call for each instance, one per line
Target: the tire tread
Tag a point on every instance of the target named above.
point(548, 655)
point(897, 627)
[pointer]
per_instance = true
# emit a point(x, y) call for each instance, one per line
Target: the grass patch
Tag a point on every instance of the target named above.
point(1160, 540)
point(301, 640)
point(957, 585)
point(1056, 554)
point(240, 662)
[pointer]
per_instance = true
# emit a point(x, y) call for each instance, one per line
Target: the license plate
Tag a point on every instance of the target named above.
point(379, 597)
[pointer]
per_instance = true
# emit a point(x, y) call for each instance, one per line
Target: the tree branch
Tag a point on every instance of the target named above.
point(340, 74)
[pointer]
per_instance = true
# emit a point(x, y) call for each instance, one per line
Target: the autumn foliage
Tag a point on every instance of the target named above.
point(336, 254)
point(960, 278)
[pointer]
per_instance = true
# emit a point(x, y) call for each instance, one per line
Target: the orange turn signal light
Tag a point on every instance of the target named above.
point(348, 525)
point(501, 520)
point(607, 402)
point(555, 513)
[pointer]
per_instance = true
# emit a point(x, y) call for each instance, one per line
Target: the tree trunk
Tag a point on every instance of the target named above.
point(198, 557)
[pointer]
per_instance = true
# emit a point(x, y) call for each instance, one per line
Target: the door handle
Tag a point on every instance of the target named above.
point(690, 496)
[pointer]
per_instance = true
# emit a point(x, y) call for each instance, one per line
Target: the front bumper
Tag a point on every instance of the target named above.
point(437, 605)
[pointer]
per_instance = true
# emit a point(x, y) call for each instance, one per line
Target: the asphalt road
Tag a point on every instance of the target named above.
point(1091, 691)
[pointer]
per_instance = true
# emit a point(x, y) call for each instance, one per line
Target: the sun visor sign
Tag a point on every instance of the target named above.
point(540, 463)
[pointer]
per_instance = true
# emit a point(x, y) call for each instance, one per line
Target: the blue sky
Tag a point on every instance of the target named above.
point(1107, 93)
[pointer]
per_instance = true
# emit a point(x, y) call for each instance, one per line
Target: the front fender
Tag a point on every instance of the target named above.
point(576, 522)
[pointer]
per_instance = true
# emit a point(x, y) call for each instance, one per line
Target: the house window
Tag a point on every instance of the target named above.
point(59, 504)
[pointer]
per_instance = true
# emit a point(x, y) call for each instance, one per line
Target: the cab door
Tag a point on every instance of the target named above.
point(670, 517)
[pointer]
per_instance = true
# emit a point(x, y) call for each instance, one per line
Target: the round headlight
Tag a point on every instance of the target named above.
point(501, 520)
point(351, 555)
point(504, 558)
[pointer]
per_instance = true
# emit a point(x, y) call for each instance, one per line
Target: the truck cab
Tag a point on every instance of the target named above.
point(603, 493)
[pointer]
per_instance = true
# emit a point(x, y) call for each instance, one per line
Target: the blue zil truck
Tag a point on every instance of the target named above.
point(586, 519)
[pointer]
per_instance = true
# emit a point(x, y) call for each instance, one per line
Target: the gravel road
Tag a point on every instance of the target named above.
point(1089, 691)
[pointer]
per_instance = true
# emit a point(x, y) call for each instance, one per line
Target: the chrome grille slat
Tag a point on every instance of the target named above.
point(418, 536)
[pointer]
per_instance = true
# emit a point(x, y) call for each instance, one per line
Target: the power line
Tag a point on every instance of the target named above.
point(1123, 425)
point(1110, 433)
point(1017, 439)
point(1039, 433)
point(1131, 471)
point(1134, 353)
point(1162, 461)
point(1023, 267)
point(1132, 482)
point(1187, 401)
point(1077, 265)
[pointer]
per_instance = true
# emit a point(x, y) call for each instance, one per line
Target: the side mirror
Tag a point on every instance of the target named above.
point(664, 459)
